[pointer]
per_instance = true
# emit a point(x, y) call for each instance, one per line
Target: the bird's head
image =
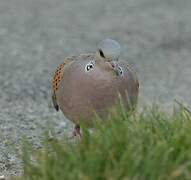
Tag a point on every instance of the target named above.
point(108, 50)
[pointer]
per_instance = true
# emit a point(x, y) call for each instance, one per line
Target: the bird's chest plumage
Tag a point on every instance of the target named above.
point(81, 92)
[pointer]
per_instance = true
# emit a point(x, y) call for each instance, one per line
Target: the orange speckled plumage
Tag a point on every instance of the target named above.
point(58, 75)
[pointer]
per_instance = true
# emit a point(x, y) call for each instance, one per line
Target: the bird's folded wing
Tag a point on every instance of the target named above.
point(57, 77)
point(134, 74)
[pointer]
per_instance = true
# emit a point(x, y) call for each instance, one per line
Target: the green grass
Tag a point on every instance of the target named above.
point(147, 146)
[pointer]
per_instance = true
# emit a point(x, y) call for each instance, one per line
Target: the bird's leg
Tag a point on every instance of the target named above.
point(76, 131)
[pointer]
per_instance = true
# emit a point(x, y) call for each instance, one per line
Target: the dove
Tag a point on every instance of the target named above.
point(90, 84)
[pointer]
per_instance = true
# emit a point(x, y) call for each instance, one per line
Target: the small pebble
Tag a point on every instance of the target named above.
point(2, 177)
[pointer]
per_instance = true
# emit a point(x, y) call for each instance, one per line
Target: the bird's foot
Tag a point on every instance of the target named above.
point(76, 132)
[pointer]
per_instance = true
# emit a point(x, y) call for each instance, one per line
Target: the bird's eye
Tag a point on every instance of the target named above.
point(120, 71)
point(89, 66)
point(101, 53)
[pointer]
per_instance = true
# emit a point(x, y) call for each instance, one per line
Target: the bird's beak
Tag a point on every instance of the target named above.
point(115, 65)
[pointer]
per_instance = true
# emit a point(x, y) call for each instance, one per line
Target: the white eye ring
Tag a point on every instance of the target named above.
point(120, 71)
point(89, 66)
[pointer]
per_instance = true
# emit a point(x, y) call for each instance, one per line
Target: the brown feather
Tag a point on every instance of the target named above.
point(58, 75)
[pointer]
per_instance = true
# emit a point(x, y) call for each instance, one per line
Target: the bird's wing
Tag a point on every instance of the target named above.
point(134, 75)
point(87, 56)
point(58, 75)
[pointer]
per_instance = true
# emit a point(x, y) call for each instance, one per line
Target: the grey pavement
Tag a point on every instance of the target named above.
point(36, 35)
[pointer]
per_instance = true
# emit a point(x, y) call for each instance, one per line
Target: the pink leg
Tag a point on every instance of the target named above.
point(76, 131)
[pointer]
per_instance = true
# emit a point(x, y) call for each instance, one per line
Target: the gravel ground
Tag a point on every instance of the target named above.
point(35, 36)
